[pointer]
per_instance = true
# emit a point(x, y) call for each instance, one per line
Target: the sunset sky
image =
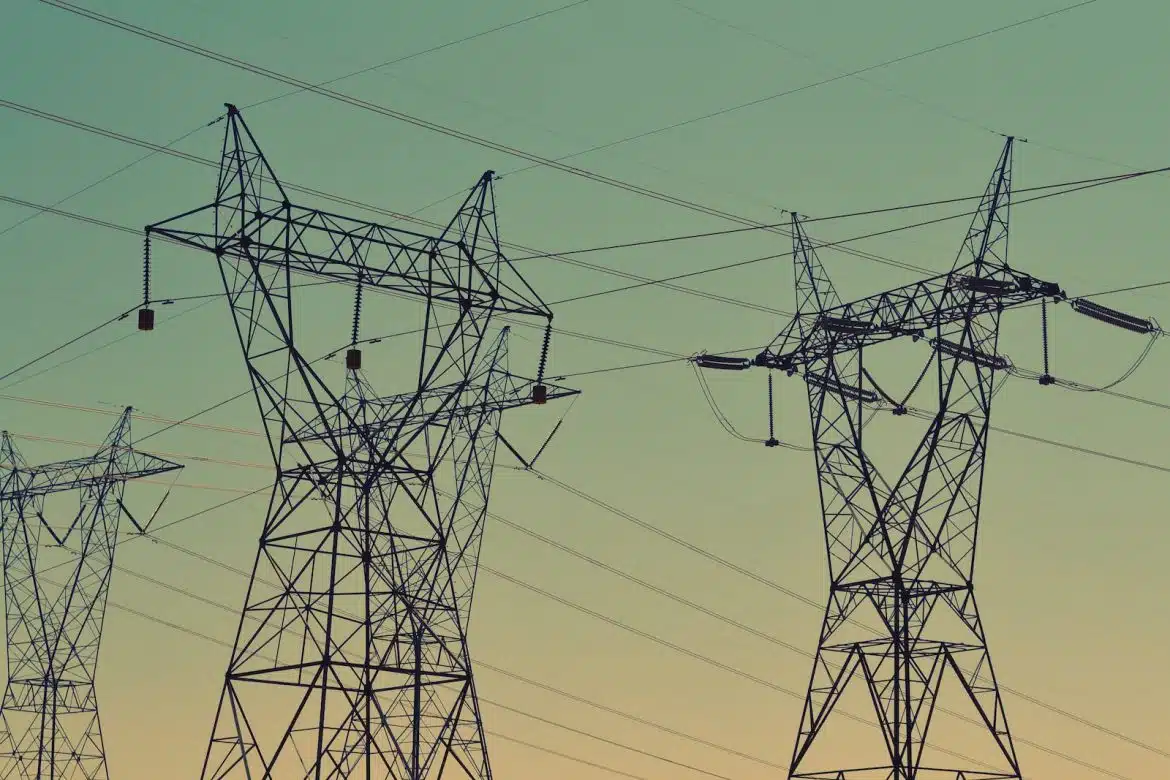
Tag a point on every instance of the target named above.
point(1071, 568)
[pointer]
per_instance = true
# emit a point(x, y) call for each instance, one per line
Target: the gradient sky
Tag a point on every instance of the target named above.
point(1071, 567)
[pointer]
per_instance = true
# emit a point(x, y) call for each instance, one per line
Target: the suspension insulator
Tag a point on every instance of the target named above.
point(146, 319)
point(990, 286)
point(353, 359)
point(844, 325)
point(997, 362)
point(723, 363)
point(772, 441)
point(846, 391)
point(1111, 316)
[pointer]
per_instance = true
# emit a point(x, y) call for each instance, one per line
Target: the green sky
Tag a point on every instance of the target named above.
point(1071, 571)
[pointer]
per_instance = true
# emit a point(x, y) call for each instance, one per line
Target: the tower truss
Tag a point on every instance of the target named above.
point(49, 724)
point(901, 545)
point(351, 658)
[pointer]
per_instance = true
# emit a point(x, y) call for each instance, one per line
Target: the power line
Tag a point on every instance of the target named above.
point(325, 196)
point(673, 356)
point(1076, 183)
point(630, 717)
point(612, 621)
point(609, 508)
point(219, 605)
point(427, 124)
point(584, 336)
point(109, 176)
point(68, 343)
point(199, 635)
point(1078, 187)
point(711, 613)
point(559, 754)
point(100, 347)
point(605, 741)
point(804, 55)
point(759, 680)
point(430, 50)
point(795, 90)
point(224, 607)
point(657, 590)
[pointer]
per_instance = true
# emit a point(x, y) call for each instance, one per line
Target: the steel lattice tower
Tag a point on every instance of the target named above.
point(49, 714)
point(351, 658)
point(902, 552)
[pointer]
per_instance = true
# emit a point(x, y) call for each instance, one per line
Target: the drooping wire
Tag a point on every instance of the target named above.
point(720, 417)
point(1084, 388)
point(68, 343)
point(725, 422)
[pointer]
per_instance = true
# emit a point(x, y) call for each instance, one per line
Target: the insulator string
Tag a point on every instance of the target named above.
point(544, 353)
point(146, 269)
point(357, 313)
point(771, 410)
point(1044, 331)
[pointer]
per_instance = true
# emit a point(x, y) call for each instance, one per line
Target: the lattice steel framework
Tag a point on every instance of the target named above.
point(902, 553)
point(351, 658)
point(49, 714)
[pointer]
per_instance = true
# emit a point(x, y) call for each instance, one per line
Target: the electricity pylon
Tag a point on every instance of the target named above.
point(49, 714)
point(902, 553)
point(351, 658)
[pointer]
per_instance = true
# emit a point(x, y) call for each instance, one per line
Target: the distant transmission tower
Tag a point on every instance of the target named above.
point(49, 724)
point(902, 553)
point(351, 658)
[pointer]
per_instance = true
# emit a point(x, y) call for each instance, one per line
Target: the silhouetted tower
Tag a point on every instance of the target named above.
point(351, 658)
point(902, 614)
point(50, 724)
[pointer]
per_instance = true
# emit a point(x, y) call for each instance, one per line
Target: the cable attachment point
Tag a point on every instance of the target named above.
point(1046, 378)
point(772, 440)
point(540, 390)
point(146, 314)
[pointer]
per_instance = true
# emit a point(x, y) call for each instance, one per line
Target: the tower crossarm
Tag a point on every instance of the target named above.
point(391, 415)
point(84, 473)
point(328, 246)
point(914, 310)
point(252, 220)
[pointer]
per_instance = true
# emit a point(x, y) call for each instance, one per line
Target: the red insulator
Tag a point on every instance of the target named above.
point(353, 359)
point(146, 319)
point(539, 394)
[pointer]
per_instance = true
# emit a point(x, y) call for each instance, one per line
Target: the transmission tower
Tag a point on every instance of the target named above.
point(351, 658)
point(49, 724)
point(902, 552)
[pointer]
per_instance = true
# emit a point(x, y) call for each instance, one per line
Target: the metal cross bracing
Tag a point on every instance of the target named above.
point(49, 723)
point(351, 658)
point(902, 552)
